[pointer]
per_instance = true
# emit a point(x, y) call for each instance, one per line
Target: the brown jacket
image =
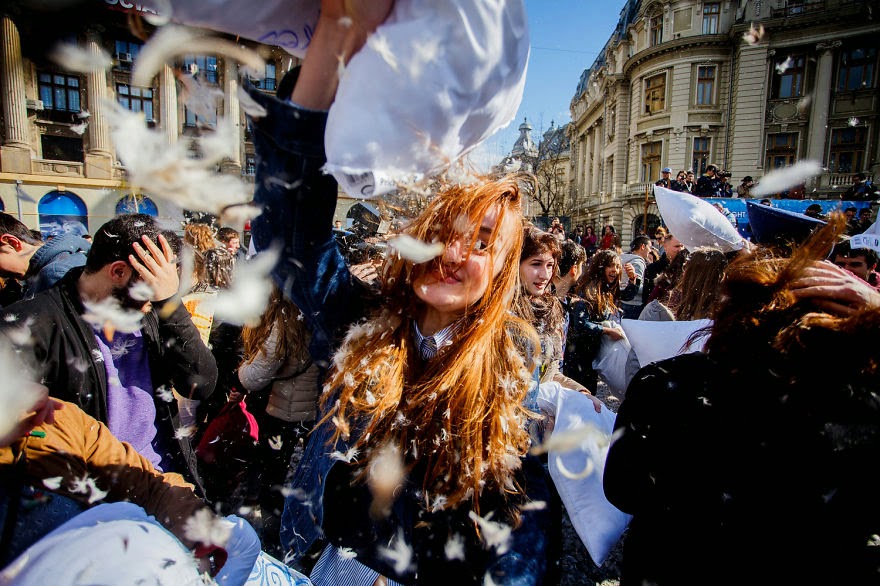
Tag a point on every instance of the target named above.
point(77, 446)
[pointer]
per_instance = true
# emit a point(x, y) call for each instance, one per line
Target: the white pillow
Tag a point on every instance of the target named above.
point(696, 222)
point(433, 82)
point(598, 523)
point(288, 24)
point(653, 341)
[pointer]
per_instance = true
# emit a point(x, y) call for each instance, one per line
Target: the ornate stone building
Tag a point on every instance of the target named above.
point(550, 162)
point(678, 84)
point(54, 169)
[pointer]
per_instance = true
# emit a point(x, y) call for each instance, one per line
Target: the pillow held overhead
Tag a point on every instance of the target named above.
point(696, 222)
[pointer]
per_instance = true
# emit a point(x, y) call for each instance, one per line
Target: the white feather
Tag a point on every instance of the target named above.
point(416, 250)
point(494, 534)
point(108, 311)
point(172, 41)
point(400, 553)
point(787, 177)
point(244, 302)
point(250, 105)
point(380, 45)
point(206, 528)
point(80, 59)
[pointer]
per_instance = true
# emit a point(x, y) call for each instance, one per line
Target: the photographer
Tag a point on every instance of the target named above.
point(726, 190)
point(709, 184)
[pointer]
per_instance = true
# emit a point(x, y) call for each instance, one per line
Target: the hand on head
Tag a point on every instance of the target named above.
point(834, 289)
point(156, 267)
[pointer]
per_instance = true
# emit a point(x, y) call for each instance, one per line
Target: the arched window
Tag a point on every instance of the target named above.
point(136, 204)
point(62, 212)
point(638, 224)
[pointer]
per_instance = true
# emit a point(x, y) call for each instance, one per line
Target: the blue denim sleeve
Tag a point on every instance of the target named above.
point(525, 562)
point(298, 201)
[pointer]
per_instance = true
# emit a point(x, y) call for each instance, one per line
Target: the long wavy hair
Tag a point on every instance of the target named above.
point(796, 339)
point(293, 336)
point(699, 289)
point(460, 415)
point(602, 297)
point(544, 311)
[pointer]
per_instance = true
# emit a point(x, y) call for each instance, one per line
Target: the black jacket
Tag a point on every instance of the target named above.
point(734, 475)
point(652, 271)
point(62, 351)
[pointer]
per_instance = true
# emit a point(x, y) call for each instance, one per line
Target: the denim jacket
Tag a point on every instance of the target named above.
point(298, 202)
point(52, 260)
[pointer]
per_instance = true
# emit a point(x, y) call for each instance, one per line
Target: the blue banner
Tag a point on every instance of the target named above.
point(738, 207)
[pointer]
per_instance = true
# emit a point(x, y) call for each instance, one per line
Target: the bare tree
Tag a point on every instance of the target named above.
point(550, 168)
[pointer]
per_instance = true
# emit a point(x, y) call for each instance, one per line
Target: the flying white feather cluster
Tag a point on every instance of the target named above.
point(786, 178)
point(400, 553)
point(173, 41)
point(168, 171)
point(754, 35)
point(86, 485)
point(244, 302)
point(497, 535)
point(206, 528)
point(112, 317)
point(80, 59)
point(17, 393)
point(416, 250)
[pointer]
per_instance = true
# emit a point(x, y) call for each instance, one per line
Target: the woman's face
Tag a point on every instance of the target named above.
point(680, 177)
point(535, 272)
point(589, 230)
point(608, 230)
point(462, 278)
point(612, 272)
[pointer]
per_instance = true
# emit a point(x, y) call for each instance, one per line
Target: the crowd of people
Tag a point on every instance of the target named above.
point(388, 411)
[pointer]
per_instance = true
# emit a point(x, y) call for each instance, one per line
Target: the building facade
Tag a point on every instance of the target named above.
point(684, 84)
point(58, 168)
point(550, 162)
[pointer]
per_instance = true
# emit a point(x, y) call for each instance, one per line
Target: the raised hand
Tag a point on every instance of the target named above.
point(156, 267)
point(834, 289)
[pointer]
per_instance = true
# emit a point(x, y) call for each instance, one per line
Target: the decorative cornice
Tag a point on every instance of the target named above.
point(721, 41)
point(828, 46)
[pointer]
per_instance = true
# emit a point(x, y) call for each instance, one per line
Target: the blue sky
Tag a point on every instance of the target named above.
point(566, 37)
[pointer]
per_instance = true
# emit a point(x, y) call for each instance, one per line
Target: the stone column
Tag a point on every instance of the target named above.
point(168, 104)
point(15, 152)
point(99, 158)
point(232, 111)
point(821, 102)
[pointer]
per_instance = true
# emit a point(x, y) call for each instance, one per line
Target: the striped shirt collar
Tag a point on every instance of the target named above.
point(441, 339)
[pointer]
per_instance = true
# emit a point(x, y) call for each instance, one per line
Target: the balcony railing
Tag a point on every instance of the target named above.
point(798, 8)
point(839, 180)
point(54, 167)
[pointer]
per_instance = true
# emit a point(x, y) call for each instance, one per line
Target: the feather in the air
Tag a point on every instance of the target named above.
point(168, 171)
point(17, 393)
point(493, 534)
point(108, 312)
point(172, 41)
point(416, 250)
point(250, 105)
point(400, 553)
point(206, 528)
point(244, 302)
point(786, 178)
point(80, 59)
